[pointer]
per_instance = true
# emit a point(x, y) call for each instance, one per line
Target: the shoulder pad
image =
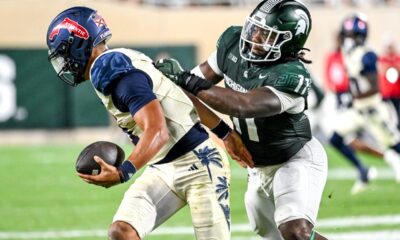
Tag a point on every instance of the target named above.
point(369, 61)
point(292, 77)
point(109, 67)
point(228, 36)
point(226, 41)
point(370, 57)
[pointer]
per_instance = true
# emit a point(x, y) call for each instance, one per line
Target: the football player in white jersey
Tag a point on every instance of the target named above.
point(368, 112)
point(184, 165)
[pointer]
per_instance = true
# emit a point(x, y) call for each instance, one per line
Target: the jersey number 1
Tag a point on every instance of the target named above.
point(251, 128)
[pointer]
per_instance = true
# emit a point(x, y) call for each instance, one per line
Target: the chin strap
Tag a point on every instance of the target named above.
point(312, 236)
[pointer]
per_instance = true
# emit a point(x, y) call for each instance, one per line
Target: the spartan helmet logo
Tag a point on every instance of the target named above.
point(303, 24)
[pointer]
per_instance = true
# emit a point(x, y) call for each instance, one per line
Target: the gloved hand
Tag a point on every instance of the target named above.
point(171, 68)
point(190, 82)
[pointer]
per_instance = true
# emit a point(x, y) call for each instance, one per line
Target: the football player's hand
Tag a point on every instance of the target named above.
point(171, 68)
point(188, 81)
point(237, 150)
point(108, 176)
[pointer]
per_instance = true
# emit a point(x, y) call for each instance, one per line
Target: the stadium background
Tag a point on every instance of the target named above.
point(44, 124)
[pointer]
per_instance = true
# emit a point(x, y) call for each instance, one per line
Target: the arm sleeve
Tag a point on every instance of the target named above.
point(212, 61)
point(290, 103)
point(132, 92)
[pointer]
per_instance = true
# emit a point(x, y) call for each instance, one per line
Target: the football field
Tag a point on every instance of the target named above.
point(42, 198)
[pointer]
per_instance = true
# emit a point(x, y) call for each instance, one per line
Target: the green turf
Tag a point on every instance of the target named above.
point(40, 191)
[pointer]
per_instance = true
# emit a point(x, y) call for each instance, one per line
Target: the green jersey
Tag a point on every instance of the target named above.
point(270, 140)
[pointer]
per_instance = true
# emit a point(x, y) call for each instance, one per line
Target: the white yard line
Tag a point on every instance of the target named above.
point(361, 221)
point(333, 173)
point(367, 235)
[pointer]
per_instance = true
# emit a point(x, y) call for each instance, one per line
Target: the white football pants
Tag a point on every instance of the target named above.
point(292, 190)
point(200, 179)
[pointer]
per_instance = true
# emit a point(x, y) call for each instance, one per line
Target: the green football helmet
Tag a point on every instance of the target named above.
point(275, 29)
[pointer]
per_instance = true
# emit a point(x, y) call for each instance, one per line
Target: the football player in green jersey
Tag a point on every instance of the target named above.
point(265, 94)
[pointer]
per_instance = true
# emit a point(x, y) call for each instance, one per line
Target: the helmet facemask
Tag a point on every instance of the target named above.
point(260, 42)
point(68, 69)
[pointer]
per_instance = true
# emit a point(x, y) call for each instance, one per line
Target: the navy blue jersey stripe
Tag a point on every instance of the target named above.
point(196, 135)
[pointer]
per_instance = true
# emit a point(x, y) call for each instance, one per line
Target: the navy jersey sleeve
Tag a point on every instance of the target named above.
point(108, 68)
point(369, 62)
point(132, 92)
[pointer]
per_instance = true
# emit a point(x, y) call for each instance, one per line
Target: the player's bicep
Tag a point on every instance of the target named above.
point(264, 99)
point(151, 116)
point(290, 103)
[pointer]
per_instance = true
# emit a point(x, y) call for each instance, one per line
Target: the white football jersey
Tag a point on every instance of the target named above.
point(354, 65)
point(180, 114)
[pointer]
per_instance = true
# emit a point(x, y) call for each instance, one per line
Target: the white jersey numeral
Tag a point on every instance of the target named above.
point(301, 86)
point(251, 128)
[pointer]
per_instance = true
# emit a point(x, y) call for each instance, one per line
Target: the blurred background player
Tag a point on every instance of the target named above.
point(338, 97)
point(185, 165)
point(265, 94)
point(368, 111)
point(389, 77)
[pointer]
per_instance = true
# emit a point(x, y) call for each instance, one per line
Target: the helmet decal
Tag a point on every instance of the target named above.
point(303, 23)
point(72, 27)
point(300, 27)
point(348, 24)
point(362, 25)
point(99, 20)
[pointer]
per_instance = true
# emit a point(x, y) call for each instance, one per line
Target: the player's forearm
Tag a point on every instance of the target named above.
point(207, 117)
point(366, 94)
point(241, 105)
point(150, 143)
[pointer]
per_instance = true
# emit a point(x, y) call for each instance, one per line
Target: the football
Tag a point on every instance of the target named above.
point(110, 152)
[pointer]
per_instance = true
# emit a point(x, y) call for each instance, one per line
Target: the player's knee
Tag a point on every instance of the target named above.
point(299, 229)
point(122, 231)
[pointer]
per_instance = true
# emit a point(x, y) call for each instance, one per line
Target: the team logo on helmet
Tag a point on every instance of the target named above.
point(303, 23)
point(362, 25)
point(99, 20)
point(72, 27)
point(300, 27)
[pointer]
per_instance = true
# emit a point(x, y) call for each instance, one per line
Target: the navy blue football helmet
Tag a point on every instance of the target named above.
point(71, 37)
point(355, 27)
